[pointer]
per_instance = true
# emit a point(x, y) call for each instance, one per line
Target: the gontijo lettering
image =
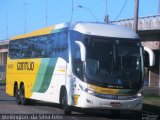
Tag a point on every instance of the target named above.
point(25, 66)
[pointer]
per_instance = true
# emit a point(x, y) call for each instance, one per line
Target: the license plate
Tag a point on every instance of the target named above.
point(115, 104)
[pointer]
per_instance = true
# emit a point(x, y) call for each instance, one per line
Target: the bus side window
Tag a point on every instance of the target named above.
point(56, 44)
point(52, 38)
point(42, 46)
point(59, 46)
point(63, 45)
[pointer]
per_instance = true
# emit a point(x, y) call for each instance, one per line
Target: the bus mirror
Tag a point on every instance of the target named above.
point(82, 50)
point(151, 56)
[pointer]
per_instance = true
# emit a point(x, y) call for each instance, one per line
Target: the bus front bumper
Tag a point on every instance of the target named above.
point(86, 100)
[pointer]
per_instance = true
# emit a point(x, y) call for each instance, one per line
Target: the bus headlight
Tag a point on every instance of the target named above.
point(140, 94)
point(86, 90)
point(90, 91)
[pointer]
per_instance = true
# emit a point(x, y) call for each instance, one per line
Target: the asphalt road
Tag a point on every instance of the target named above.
point(41, 110)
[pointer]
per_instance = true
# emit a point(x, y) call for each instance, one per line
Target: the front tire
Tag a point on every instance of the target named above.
point(66, 109)
point(22, 95)
point(17, 95)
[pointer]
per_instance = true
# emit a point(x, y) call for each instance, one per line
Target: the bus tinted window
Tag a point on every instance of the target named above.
point(53, 45)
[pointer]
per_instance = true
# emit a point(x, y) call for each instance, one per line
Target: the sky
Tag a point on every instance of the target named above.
point(13, 13)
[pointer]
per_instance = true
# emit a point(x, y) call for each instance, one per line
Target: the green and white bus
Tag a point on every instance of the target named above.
point(84, 65)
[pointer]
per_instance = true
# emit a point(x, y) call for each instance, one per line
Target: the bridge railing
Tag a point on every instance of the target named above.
point(144, 23)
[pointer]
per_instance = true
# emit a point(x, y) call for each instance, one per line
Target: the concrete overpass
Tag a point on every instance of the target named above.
point(3, 58)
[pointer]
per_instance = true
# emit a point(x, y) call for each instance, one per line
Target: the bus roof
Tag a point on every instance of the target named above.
point(34, 33)
point(107, 30)
point(89, 28)
point(43, 31)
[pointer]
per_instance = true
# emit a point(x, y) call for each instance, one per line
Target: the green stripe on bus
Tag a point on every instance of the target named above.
point(40, 74)
point(48, 75)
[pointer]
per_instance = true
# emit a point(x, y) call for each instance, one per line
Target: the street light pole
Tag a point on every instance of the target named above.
point(72, 11)
point(136, 9)
point(80, 6)
point(46, 13)
point(25, 19)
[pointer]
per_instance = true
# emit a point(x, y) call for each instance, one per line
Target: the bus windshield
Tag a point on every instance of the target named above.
point(113, 62)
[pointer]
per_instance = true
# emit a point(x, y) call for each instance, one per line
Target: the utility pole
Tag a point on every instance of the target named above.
point(159, 47)
point(136, 9)
point(106, 18)
point(72, 12)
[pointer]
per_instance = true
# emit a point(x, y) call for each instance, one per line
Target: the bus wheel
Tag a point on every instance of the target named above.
point(22, 95)
point(17, 95)
point(66, 108)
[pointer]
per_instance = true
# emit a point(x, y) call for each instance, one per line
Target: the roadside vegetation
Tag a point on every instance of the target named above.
point(151, 103)
point(2, 81)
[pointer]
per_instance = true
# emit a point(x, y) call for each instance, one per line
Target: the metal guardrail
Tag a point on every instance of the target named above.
point(144, 23)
